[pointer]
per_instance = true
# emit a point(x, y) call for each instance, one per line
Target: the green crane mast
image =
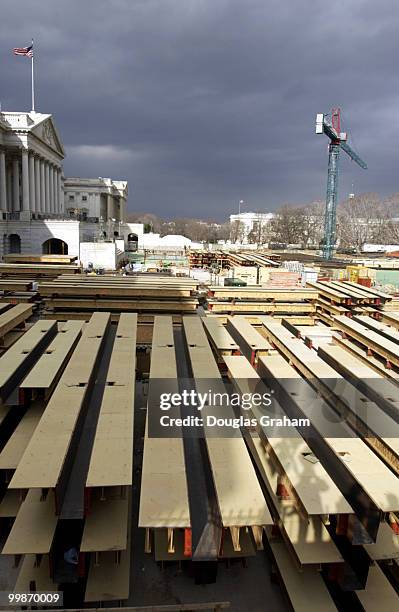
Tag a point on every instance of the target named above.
point(332, 129)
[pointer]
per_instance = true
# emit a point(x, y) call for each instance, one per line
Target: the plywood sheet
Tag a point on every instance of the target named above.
point(220, 337)
point(19, 351)
point(106, 526)
point(10, 503)
point(306, 589)
point(386, 546)
point(48, 367)
point(30, 571)
point(33, 529)
point(108, 581)
point(379, 595)
point(12, 452)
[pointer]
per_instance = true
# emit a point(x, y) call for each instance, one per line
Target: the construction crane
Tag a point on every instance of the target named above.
point(332, 129)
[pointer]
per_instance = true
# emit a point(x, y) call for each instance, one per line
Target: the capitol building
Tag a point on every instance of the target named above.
point(42, 211)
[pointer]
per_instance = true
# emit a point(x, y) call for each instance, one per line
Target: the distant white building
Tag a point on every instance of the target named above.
point(90, 198)
point(244, 223)
point(171, 242)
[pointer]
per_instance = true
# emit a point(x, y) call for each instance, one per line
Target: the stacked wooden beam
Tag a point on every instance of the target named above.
point(348, 298)
point(18, 291)
point(18, 258)
point(263, 300)
point(208, 259)
point(37, 271)
point(144, 294)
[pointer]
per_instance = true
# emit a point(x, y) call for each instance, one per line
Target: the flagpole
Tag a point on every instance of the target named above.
point(33, 80)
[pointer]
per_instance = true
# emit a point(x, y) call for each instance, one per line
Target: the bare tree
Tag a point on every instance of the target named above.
point(360, 220)
point(289, 224)
point(151, 222)
point(314, 222)
point(237, 231)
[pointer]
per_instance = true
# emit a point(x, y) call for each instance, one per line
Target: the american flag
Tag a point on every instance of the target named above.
point(27, 51)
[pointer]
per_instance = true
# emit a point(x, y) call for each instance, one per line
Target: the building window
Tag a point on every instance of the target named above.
point(84, 198)
point(71, 198)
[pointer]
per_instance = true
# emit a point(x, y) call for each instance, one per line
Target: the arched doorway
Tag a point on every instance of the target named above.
point(14, 243)
point(54, 246)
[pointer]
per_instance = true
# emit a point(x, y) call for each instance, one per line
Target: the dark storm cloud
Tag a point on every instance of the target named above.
point(201, 103)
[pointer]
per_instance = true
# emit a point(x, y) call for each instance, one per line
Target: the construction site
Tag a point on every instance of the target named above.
point(307, 509)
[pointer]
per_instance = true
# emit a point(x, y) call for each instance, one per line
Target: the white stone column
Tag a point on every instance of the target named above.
point(47, 180)
point(57, 190)
point(60, 193)
point(42, 187)
point(50, 182)
point(38, 196)
point(15, 185)
point(25, 180)
point(32, 189)
point(9, 187)
point(3, 184)
point(53, 189)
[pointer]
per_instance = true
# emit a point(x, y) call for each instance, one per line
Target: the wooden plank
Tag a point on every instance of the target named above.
point(220, 338)
point(47, 369)
point(372, 340)
point(369, 360)
point(13, 317)
point(38, 573)
point(167, 305)
point(369, 382)
point(306, 590)
point(35, 258)
point(261, 307)
point(16, 284)
point(330, 293)
point(370, 290)
point(15, 447)
point(109, 576)
point(164, 494)
point(386, 546)
point(264, 293)
point(307, 538)
point(380, 328)
point(111, 290)
point(379, 595)
point(251, 342)
point(33, 529)
point(17, 360)
point(390, 318)
point(356, 294)
point(163, 331)
point(106, 526)
point(10, 504)
point(111, 460)
point(8, 269)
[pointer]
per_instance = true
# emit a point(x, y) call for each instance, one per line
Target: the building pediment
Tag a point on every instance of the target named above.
point(47, 133)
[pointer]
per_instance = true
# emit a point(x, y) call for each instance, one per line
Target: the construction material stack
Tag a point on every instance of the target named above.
point(66, 296)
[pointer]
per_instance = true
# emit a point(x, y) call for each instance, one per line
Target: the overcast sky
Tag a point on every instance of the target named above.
point(201, 103)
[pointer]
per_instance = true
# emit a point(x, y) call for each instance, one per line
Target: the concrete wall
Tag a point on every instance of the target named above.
point(34, 233)
point(100, 254)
